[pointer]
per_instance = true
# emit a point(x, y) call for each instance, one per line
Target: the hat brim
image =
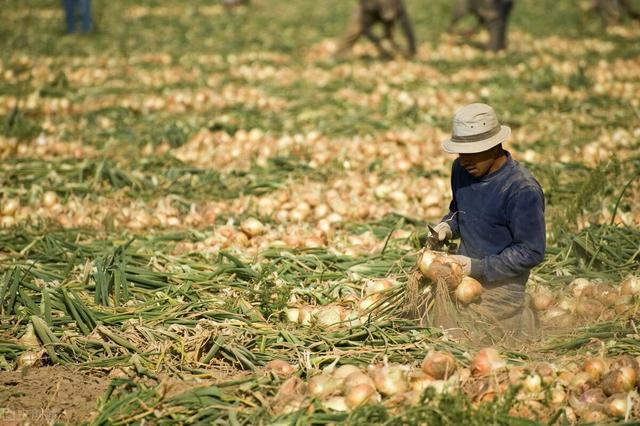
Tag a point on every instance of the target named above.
point(475, 147)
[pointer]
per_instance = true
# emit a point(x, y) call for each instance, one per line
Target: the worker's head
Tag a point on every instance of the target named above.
point(477, 137)
point(480, 163)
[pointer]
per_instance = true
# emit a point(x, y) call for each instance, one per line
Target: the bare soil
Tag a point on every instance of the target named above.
point(47, 395)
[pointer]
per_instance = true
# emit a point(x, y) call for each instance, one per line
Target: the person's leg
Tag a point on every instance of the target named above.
point(497, 21)
point(353, 33)
point(69, 7)
point(85, 12)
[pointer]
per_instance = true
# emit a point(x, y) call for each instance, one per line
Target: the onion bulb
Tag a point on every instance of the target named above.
point(589, 308)
point(293, 314)
point(595, 367)
point(10, 206)
point(542, 300)
point(361, 394)
point(580, 382)
point(425, 261)
point(630, 286)
point(558, 395)
point(390, 379)
point(28, 359)
point(619, 381)
point(252, 227)
point(329, 315)
point(589, 398)
point(345, 371)
point(366, 303)
point(305, 314)
point(323, 385)
point(578, 285)
point(280, 367)
point(532, 383)
point(592, 415)
point(357, 378)
point(439, 365)
point(29, 338)
point(486, 361)
point(49, 199)
point(617, 405)
point(336, 403)
point(376, 286)
point(468, 291)
point(420, 381)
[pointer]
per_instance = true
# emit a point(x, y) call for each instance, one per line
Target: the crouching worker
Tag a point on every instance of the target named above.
point(497, 211)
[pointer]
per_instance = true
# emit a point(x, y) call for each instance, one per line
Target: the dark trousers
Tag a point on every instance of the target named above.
point(497, 24)
point(74, 7)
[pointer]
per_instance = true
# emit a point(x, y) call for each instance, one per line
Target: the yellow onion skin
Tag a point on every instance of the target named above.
point(323, 385)
point(592, 415)
point(280, 367)
point(345, 371)
point(468, 291)
point(486, 361)
point(361, 394)
point(630, 286)
point(542, 300)
point(390, 379)
point(439, 365)
point(336, 403)
point(357, 378)
point(617, 405)
point(595, 367)
point(426, 259)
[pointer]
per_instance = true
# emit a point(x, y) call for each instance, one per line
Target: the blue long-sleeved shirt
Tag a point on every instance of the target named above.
point(500, 220)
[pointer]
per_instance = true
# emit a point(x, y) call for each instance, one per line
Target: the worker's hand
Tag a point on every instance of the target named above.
point(443, 231)
point(464, 262)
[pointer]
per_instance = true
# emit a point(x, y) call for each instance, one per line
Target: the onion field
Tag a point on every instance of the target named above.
point(207, 218)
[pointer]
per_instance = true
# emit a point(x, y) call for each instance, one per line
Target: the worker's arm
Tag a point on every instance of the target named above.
point(451, 218)
point(526, 223)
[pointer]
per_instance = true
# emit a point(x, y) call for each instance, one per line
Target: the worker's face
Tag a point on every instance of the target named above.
point(478, 164)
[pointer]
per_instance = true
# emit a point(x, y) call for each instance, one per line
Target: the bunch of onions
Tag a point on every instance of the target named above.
point(468, 291)
point(390, 379)
point(361, 394)
point(280, 367)
point(486, 361)
point(323, 385)
point(621, 380)
point(439, 365)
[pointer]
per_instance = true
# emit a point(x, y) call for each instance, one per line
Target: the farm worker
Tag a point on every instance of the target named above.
point(492, 14)
point(612, 11)
point(71, 7)
point(497, 211)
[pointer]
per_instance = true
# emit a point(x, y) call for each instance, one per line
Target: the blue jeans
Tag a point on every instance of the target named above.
point(81, 6)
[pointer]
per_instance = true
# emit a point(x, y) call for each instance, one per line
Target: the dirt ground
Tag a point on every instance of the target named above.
point(47, 395)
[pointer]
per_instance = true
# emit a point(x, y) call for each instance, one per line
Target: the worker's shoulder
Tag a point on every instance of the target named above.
point(523, 180)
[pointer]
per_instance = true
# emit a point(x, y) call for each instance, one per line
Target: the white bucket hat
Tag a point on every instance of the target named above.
point(475, 129)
